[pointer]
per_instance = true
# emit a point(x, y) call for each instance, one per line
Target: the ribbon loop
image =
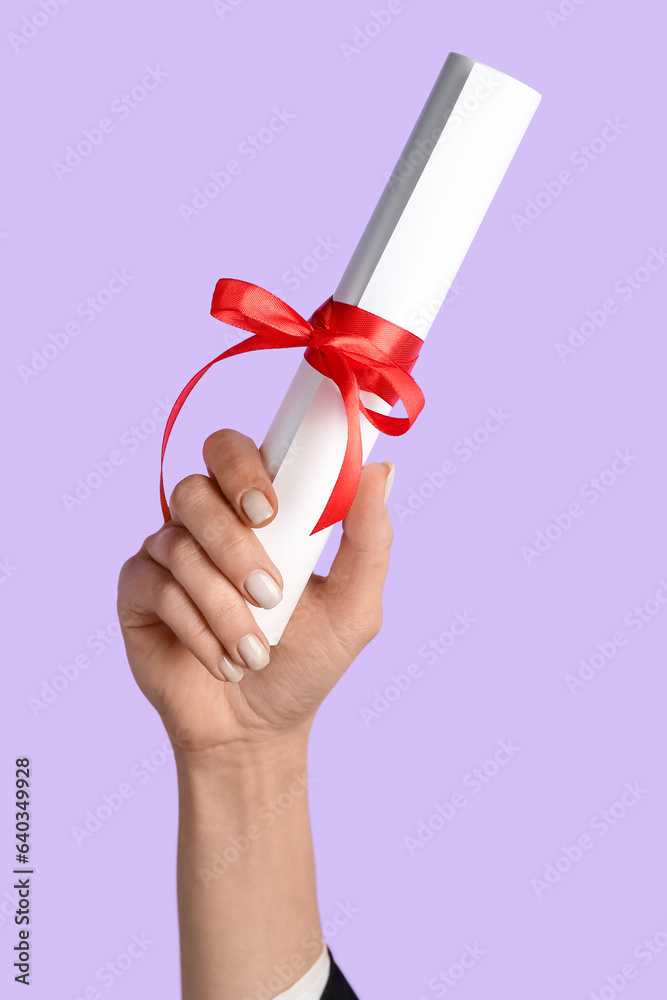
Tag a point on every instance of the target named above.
point(354, 348)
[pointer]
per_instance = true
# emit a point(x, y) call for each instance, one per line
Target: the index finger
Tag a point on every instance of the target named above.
point(235, 463)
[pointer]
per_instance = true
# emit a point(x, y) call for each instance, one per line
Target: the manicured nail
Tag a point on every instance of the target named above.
point(230, 671)
point(256, 506)
point(263, 589)
point(390, 480)
point(253, 652)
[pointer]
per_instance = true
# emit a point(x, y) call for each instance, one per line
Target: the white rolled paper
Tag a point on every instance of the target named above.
point(402, 269)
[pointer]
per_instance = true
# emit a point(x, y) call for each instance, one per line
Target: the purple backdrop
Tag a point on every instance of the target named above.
point(540, 860)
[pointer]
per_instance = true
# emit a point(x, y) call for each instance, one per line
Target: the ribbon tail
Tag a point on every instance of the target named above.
point(347, 482)
point(171, 419)
point(408, 392)
point(256, 343)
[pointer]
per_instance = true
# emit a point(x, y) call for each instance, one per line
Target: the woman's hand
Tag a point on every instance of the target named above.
point(195, 649)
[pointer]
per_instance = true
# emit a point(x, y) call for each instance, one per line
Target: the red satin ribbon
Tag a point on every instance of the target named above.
point(354, 348)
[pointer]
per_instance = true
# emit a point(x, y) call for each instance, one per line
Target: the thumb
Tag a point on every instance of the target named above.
point(353, 588)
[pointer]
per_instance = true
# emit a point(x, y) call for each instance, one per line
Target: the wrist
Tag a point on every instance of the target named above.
point(247, 759)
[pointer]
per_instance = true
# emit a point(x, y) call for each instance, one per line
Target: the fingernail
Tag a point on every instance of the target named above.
point(253, 652)
point(263, 589)
point(230, 671)
point(256, 506)
point(390, 480)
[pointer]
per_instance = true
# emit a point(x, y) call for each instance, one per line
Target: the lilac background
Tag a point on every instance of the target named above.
point(493, 345)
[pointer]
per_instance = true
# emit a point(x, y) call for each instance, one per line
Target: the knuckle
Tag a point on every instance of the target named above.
point(387, 534)
point(188, 492)
point(222, 441)
point(231, 548)
point(374, 623)
point(126, 571)
point(125, 609)
point(135, 586)
point(357, 633)
point(129, 576)
point(167, 591)
point(179, 545)
point(215, 527)
point(129, 609)
point(200, 630)
point(228, 611)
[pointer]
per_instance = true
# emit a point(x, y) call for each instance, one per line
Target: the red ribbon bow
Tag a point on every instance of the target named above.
point(354, 348)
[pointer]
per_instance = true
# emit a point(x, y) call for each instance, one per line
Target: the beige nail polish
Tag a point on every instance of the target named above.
point(253, 652)
point(256, 506)
point(263, 589)
point(390, 480)
point(230, 671)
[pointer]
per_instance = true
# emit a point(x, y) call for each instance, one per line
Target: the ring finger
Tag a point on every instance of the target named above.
point(218, 600)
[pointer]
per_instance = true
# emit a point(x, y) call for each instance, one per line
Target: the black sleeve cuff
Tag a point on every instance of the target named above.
point(337, 987)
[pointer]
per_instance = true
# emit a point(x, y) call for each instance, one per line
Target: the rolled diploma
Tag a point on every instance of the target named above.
point(402, 269)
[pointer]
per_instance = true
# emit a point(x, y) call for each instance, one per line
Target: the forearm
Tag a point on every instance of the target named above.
point(246, 875)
